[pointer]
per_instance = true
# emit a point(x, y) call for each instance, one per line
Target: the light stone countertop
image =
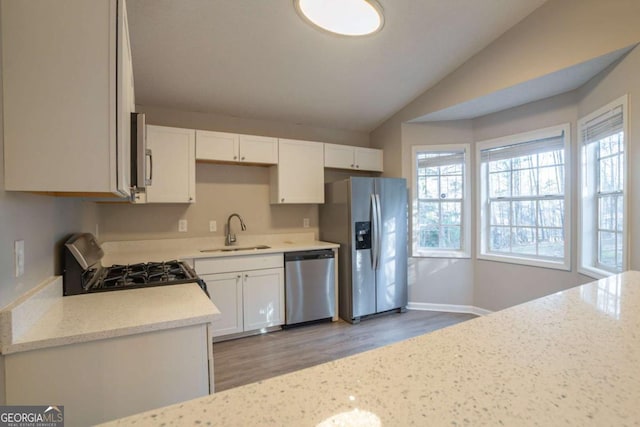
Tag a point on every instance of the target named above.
point(90, 317)
point(134, 251)
point(571, 358)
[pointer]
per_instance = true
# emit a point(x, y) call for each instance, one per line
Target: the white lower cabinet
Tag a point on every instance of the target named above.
point(248, 291)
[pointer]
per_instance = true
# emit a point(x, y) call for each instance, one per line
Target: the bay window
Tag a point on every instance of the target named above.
point(441, 201)
point(524, 203)
point(603, 243)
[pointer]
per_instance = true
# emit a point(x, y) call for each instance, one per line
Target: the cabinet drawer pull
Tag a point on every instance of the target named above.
point(242, 158)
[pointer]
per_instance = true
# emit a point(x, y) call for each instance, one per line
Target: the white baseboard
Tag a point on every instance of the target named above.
point(451, 308)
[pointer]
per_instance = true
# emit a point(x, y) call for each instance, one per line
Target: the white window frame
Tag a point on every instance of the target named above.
point(482, 199)
point(465, 222)
point(587, 209)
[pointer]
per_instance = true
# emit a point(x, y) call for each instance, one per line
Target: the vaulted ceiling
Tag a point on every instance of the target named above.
point(257, 58)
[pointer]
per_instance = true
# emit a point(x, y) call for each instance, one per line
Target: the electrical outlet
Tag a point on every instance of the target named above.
point(305, 222)
point(182, 226)
point(213, 226)
point(18, 249)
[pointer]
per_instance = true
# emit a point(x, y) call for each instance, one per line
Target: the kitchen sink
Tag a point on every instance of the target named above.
point(234, 249)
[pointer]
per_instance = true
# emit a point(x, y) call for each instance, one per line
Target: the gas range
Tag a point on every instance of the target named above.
point(84, 273)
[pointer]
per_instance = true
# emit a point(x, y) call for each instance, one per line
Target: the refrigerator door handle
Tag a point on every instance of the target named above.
point(374, 230)
point(378, 229)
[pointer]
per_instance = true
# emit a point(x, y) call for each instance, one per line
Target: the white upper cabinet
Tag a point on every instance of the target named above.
point(68, 95)
point(350, 157)
point(172, 165)
point(231, 147)
point(299, 175)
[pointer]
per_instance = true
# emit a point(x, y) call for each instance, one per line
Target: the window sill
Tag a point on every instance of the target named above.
point(594, 273)
point(440, 254)
point(555, 265)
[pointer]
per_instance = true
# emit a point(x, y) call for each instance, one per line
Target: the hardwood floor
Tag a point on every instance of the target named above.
point(259, 357)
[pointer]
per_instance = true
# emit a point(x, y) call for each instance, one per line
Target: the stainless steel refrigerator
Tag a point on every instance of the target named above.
point(368, 218)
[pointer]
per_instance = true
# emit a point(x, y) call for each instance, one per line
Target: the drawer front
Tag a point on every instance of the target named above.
point(238, 263)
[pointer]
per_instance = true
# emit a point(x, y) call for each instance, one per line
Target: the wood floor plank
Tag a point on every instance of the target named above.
point(259, 357)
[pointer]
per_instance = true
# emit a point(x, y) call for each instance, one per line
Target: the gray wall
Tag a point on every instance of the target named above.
point(558, 35)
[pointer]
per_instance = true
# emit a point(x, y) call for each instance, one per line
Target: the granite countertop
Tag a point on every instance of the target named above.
point(569, 358)
point(90, 317)
point(129, 252)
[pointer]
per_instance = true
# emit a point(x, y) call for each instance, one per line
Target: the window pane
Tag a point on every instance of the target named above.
point(429, 237)
point(500, 239)
point(451, 213)
point(500, 213)
point(551, 180)
point(607, 249)
point(428, 213)
point(451, 187)
point(500, 184)
point(431, 188)
point(551, 213)
point(610, 145)
point(551, 158)
point(500, 165)
point(609, 174)
point(450, 238)
point(551, 242)
point(620, 212)
point(607, 213)
point(451, 169)
point(619, 252)
point(525, 162)
point(525, 182)
point(524, 213)
point(524, 241)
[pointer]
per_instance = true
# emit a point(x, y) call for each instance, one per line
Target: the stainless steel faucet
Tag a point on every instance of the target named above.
point(231, 238)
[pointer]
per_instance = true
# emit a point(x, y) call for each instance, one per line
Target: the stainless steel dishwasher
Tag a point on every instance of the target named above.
point(309, 286)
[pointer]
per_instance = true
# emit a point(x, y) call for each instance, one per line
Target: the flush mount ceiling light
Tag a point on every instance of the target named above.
point(344, 17)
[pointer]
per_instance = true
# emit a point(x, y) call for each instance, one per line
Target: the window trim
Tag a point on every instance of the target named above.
point(482, 212)
point(590, 236)
point(465, 223)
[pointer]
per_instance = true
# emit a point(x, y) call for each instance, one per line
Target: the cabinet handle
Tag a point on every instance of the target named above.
point(239, 276)
point(242, 158)
point(246, 276)
point(282, 200)
point(235, 157)
point(357, 166)
point(352, 165)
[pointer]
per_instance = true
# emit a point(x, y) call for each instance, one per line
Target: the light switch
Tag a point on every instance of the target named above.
point(305, 222)
point(213, 226)
point(182, 226)
point(19, 257)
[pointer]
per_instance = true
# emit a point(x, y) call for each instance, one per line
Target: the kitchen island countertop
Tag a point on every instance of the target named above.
point(102, 315)
point(569, 358)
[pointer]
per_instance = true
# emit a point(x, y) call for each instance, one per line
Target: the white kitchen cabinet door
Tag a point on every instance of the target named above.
point(66, 109)
point(226, 293)
point(173, 174)
point(299, 175)
point(258, 149)
point(368, 159)
point(231, 147)
point(354, 158)
point(339, 156)
point(263, 294)
point(217, 146)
